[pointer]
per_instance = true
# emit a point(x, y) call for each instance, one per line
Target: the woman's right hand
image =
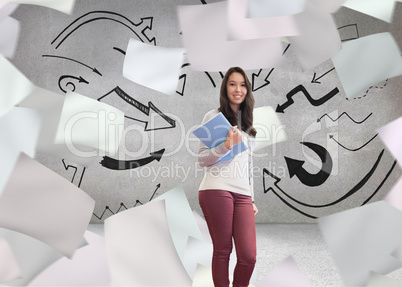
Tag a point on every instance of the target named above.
point(233, 137)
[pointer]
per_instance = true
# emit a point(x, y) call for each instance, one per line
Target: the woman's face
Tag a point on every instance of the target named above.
point(236, 90)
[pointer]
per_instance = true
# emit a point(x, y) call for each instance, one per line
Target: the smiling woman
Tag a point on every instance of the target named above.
point(225, 195)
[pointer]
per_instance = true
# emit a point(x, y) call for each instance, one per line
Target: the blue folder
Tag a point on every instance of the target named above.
point(214, 132)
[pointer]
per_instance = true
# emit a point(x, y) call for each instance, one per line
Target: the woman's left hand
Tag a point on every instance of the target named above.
point(255, 209)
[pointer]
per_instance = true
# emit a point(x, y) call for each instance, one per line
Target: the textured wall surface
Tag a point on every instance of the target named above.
point(363, 170)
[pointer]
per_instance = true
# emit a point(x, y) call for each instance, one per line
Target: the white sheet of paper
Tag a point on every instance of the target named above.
point(6, 9)
point(391, 136)
point(362, 240)
point(379, 9)
point(378, 280)
point(31, 254)
point(38, 202)
point(366, 61)
point(140, 248)
point(273, 8)
point(286, 273)
point(154, 67)
point(197, 252)
point(20, 128)
point(241, 28)
point(87, 122)
point(182, 223)
point(204, 30)
point(330, 6)
point(65, 6)
point(394, 197)
point(319, 39)
point(9, 269)
point(269, 129)
point(203, 227)
point(202, 276)
point(88, 267)
point(9, 31)
point(14, 86)
point(50, 104)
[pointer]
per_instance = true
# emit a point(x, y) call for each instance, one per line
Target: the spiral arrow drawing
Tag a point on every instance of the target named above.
point(295, 167)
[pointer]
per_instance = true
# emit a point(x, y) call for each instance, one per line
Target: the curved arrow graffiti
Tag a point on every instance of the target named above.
point(295, 167)
point(93, 69)
point(356, 149)
point(314, 102)
point(116, 164)
point(70, 83)
point(268, 177)
point(104, 15)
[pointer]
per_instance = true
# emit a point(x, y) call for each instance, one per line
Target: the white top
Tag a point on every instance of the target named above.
point(233, 175)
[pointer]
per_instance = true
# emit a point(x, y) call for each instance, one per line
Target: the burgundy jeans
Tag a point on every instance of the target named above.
point(230, 215)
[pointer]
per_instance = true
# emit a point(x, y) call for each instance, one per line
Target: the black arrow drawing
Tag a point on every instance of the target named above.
point(69, 83)
point(277, 180)
point(265, 82)
point(76, 61)
point(105, 15)
point(314, 102)
point(295, 167)
point(122, 205)
point(344, 113)
point(116, 164)
point(183, 76)
point(142, 108)
point(357, 187)
point(212, 80)
point(315, 79)
point(75, 172)
point(356, 149)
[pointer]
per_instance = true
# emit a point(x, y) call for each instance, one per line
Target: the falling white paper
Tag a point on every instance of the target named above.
point(330, 6)
point(394, 197)
point(380, 9)
point(154, 67)
point(204, 30)
point(274, 8)
point(362, 240)
point(203, 277)
point(269, 129)
point(182, 223)
point(88, 267)
point(366, 61)
point(242, 28)
point(38, 202)
point(319, 39)
point(378, 280)
point(65, 6)
point(286, 273)
point(140, 248)
point(20, 129)
point(197, 252)
point(9, 269)
point(31, 254)
point(50, 104)
point(6, 9)
point(392, 138)
point(203, 227)
point(88, 122)
point(9, 31)
point(14, 86)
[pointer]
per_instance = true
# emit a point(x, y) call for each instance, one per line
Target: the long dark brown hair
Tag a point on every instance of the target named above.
point(246, 107)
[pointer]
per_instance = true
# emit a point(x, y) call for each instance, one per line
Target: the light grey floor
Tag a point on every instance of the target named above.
point(304, 242)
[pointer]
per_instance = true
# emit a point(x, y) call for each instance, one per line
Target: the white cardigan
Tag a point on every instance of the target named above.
point(233, 175)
